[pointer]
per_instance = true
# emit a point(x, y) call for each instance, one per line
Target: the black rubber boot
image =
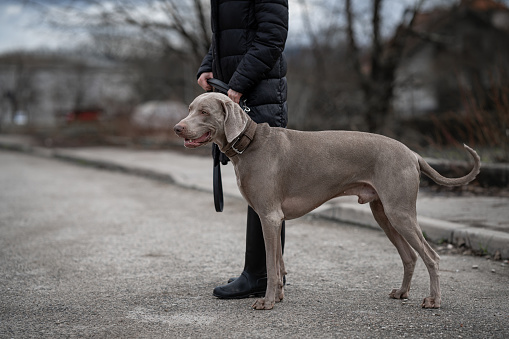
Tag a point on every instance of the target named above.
point(253, 280)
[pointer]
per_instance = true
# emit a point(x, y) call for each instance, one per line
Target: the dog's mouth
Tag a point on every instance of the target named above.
point(193, 143)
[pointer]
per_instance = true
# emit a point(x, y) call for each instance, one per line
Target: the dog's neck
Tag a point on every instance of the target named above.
point(242, 142)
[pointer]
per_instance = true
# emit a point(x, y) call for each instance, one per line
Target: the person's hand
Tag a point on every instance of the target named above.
point(235, 96)
point(202, 80)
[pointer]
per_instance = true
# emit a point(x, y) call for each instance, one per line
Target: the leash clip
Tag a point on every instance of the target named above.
point(245, 107)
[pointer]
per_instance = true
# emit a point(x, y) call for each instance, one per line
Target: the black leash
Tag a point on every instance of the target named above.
point(217, 182)
point(216, 179)
point(220, 158)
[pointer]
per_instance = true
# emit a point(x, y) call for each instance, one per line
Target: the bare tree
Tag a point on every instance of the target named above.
point(161, 42)
point(354, 72)
point(135, 27)
point(377, 80)
point(319, 79)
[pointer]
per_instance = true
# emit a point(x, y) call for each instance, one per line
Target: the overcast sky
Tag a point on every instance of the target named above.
point(21, 27)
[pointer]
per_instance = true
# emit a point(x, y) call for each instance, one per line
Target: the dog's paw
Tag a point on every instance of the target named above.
point(398, 294)
point(262, 304)
point(431, 302)
point(280, 294)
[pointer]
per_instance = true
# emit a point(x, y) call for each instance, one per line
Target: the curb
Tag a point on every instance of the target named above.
point(65, 156)
point(438, 231)
point(105, 165)
point(435, 230)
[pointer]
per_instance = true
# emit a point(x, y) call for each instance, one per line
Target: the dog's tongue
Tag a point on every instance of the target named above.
point(196, 142)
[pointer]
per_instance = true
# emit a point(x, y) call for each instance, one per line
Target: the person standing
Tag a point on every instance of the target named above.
point(248, 40)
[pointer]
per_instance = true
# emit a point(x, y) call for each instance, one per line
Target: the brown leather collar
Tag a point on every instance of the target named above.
point(239, 145)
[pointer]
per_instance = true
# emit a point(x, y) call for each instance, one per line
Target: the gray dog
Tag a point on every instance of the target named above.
point(307, 169)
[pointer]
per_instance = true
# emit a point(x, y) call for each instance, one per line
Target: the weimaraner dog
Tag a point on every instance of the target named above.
point(284, 174)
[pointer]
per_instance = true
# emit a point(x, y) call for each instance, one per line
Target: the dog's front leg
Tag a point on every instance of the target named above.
point(280, 293)
point(271, 226)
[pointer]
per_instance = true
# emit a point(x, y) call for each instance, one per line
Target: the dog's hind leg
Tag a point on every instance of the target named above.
point(406, 253)
point(405, 223)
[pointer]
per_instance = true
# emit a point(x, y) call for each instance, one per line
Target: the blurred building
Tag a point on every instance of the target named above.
point(158, 115)
point(455, 54)
point(43, 87)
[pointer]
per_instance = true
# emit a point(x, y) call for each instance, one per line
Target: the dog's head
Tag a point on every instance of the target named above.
point(212, 117)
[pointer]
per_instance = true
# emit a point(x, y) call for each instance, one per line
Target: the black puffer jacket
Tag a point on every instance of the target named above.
point(248, 40)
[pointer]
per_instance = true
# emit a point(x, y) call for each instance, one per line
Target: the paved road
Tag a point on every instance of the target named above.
point(88, 253)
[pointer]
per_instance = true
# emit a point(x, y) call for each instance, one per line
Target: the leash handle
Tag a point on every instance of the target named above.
point(220, 86)
point(223, 88)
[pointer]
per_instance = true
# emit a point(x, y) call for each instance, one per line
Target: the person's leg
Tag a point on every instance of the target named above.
point(253, 280)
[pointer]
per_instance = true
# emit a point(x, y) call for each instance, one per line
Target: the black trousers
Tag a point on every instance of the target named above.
point(255, 260)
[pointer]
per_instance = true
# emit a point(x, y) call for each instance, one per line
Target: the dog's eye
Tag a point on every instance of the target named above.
point(204, 113)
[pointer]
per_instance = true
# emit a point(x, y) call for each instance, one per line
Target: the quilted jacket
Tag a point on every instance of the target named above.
point(248, 39)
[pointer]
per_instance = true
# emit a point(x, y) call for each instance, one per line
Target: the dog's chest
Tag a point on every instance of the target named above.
point(237, 176)
point(242, 187)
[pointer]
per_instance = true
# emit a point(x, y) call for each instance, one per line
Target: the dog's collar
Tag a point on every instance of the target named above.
point(241, 143)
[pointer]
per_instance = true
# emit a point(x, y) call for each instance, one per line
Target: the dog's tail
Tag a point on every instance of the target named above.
point(439, 179)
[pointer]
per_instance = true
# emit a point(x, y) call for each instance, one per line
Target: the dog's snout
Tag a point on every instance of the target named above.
point(179, 129)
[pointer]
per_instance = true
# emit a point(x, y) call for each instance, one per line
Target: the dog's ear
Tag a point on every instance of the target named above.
point(234, 121)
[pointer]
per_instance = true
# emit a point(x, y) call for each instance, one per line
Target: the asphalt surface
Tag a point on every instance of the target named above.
point(90, 253)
